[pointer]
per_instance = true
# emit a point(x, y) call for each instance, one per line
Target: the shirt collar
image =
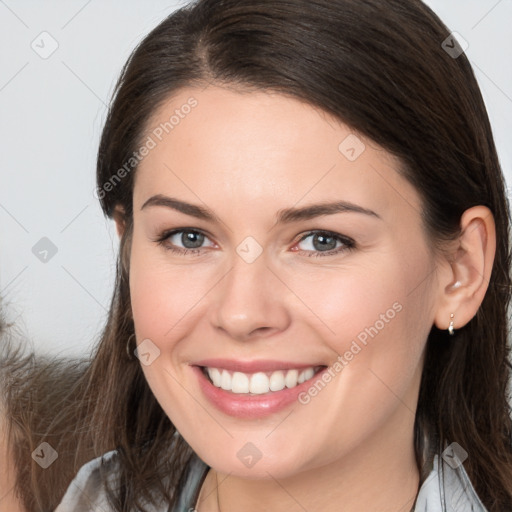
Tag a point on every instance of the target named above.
point(448, 487)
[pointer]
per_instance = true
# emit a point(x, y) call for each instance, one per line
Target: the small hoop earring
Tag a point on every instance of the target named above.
point(450, 328)
point(130, 357)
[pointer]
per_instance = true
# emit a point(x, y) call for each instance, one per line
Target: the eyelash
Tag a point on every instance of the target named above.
point(349, 244)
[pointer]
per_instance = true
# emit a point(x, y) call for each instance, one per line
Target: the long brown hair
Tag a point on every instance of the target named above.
point(38, 396)
point(380, 67)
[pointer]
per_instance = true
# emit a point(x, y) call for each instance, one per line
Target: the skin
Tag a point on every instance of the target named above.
point(245, 156)
point(8, 498)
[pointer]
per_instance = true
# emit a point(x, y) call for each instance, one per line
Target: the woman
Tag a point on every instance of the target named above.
point(313, 277)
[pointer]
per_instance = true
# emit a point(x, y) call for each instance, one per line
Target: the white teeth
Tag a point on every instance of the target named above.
point(225, 380)
point(240, 383)
point(260, 382)
point(215, 376)
point(305, 375)
point(291, 378)
point(309, 373)
point(277, 381)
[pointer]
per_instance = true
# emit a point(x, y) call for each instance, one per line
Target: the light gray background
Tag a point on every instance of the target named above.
point(52, 112)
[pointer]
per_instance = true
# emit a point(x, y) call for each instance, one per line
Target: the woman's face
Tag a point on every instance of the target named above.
point(276, 285)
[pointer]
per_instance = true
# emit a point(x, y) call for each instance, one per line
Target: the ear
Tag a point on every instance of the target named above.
point(119, 218)
point(465, 278)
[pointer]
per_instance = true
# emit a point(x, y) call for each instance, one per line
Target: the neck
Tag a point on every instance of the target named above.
point(380, 475)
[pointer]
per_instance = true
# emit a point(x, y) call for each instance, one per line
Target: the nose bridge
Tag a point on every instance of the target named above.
point(249, 299)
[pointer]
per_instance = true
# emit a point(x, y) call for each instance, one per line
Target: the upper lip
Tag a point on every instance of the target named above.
point(262, 365)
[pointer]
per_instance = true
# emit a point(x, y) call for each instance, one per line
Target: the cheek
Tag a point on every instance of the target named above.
point(376, 324)
point(375, 319)
point(357, 301)
point(164, 303)
point(382, 295)
point(163, 297)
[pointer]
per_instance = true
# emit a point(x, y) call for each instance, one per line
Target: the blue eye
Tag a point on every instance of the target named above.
point(326, 240)
point(190, 238)
point(323, 243)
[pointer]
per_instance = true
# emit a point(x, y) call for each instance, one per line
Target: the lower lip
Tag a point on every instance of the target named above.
point(251, 406)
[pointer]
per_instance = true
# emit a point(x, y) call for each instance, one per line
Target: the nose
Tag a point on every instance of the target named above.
point(250, 301)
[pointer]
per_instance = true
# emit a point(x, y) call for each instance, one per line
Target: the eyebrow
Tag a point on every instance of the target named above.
point(284, 216)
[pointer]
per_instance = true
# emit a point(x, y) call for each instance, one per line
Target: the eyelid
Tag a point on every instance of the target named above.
point(166, 234)
point(339, 236)
point(348, 243)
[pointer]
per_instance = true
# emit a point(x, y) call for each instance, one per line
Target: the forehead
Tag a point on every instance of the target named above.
point(220, 145)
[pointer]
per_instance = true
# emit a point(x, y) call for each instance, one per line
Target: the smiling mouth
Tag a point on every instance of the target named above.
point(260, 382)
